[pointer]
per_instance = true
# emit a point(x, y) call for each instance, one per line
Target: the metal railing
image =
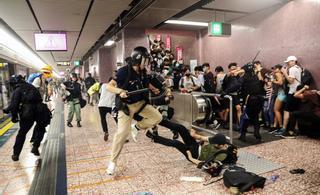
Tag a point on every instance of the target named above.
point(230, 112)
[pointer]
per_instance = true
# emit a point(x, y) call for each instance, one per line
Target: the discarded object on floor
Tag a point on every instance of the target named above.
point(238, 177)
point(141, 193)
point(297, 171)
point(195, 179)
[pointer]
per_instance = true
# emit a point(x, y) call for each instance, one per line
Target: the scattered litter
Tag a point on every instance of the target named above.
point(297, 171)
point(195, 179)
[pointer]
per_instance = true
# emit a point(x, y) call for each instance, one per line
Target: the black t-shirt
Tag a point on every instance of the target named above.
point(134, 82)
point(209, 84)
point(74, 88)
point(251, 85)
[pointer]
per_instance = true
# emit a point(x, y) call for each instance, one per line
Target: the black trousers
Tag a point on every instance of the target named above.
point(38, 133)
point(103, 114)
point(189, 143)
point(253, 109)
point(304, 116)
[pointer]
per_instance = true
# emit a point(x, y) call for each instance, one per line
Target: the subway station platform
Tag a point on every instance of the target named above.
point(145, 166)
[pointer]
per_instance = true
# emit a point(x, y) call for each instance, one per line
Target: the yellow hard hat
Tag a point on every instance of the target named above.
point(46, 69)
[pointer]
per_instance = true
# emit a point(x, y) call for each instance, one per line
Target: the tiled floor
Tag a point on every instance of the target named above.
point(17, 177)
point(150, 167)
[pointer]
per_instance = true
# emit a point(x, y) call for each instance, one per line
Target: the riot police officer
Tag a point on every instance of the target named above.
point(24, 105)
point(132, 77)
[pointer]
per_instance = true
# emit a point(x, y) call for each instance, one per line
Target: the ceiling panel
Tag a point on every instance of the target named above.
point(61, 15)
point(243, 5)
point(207, 16)
point(103, 14)
point(17, 15)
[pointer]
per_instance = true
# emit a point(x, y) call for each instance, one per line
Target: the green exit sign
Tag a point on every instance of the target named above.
point(77, 63)
point(219, 29)
point(216, 28)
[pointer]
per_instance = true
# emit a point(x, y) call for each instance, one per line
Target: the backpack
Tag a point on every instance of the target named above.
point(43, 115)
point(238, 177)
point(32, 77)
point(231, 159)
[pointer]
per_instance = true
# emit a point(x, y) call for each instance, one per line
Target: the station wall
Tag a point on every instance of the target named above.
point(283, 30)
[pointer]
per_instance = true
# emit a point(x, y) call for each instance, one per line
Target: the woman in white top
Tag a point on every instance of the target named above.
point(106, 105)
point(188, 83)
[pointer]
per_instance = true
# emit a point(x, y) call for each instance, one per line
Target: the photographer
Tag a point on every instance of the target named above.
point(132, 77)
point(253, 94)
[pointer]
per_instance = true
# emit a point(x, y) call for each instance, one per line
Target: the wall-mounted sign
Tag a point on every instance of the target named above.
point(219, 29)
point(77, 63)
point(179, 53)
point(63, 63)
point(168, 42)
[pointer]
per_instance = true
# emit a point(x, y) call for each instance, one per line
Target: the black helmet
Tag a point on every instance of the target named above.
point(15, 79)
point(138, 54)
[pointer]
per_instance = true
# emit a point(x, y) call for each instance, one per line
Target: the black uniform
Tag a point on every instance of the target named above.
point(253, 94)
point(25, 104)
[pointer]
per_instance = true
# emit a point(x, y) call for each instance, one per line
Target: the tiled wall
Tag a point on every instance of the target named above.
point(290, 29)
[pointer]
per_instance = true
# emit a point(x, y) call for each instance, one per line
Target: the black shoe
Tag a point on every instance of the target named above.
point(15, 157)
point(78, 124)
point(175, 135)
point(35, 151)
point(242, 138)
point(150, 134)
point(69, 124)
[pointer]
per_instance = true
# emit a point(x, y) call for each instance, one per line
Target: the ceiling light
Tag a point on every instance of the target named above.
point(190, 23)
point(109, 43)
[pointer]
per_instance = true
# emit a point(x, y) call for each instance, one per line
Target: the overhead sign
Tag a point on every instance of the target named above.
point(219, 29)
point(77, 63)
point(63, 63)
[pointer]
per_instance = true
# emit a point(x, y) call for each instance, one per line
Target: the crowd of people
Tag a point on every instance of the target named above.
point(280, 97)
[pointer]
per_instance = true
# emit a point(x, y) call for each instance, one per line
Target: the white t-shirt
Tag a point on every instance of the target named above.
point(187, 83)
point(107, 99)
point(36, 82)
point(294, 72)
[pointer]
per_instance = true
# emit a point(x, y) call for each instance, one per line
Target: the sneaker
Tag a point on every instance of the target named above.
point(289, 135)
point(134, 132)
point(279, 132)
point(69, 124)
point(111, 168)
point(155, 130)
point(78, 124)
point(35, 151)
point(15, 157)
point(175, 135)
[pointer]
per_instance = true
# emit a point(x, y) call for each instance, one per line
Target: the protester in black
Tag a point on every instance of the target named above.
point(89, 81)
point(24, 107)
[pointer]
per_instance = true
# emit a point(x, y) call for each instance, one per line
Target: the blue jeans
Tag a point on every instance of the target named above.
point(268, 110)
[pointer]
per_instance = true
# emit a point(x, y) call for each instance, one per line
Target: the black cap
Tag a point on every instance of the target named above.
point(219, 139)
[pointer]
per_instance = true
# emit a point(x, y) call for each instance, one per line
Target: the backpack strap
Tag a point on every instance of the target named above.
point(192, 81)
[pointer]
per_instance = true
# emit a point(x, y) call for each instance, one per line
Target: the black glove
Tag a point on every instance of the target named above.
point(14, 119)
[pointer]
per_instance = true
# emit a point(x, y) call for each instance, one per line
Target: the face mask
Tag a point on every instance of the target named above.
point(205, 69)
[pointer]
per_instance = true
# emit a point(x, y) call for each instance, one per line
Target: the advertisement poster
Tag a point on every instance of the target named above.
point(158, 37)
point(179, 53)
point(168, 42)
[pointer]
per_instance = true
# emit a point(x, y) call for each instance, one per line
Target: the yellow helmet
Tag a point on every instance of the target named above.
point(46, 69)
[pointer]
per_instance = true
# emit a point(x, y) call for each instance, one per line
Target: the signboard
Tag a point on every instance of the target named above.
point(63, 63)
point(50, 41)
point(77, 63)
point(158, 37)
point(179, 53)
point(219, 29)
point(168, 42)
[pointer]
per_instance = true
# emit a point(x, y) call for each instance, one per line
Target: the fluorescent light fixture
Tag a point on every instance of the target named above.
point(19, 50)
point(190, 23)
point(109, 43)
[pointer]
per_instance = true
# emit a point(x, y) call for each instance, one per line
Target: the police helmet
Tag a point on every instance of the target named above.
point(15, 79)
point(139, 54)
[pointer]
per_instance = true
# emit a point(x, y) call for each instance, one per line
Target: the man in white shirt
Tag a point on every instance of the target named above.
point(292, 74)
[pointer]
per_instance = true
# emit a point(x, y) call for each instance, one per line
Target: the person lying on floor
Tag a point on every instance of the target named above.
point(195, 152)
